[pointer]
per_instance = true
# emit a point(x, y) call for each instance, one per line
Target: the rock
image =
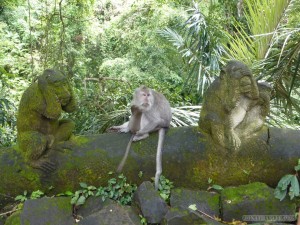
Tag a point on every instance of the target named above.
point(92, 205)
point(54, 211)
point(253, 202)
point(206, 202)
point(112, 214)
point(265, 223)
point(188, 160)
point(152, 206)
point(179, 216)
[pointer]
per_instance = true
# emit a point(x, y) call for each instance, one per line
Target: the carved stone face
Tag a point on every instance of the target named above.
point(245, 85)
point(60, 86)
point(62, 91)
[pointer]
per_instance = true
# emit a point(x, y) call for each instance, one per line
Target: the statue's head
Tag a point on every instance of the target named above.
point(54, 82)
point(237, 75)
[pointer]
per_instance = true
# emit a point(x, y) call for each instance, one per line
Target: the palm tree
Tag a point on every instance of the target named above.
point(272, 49)
point(200, 46)
point(267, 40)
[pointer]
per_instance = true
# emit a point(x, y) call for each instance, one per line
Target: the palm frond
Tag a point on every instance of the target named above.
point(173, 36)
point(264, 19)
point(181, 116)
point(185, 116)
point(200, 45)
point(272, 50)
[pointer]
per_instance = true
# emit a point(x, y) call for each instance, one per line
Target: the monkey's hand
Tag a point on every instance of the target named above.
point(135, 109)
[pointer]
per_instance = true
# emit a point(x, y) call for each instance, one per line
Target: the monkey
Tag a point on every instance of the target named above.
point(227, 102)
point(151, 111)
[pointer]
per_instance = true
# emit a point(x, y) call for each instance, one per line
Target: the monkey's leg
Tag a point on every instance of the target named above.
point(34, 145)
point(161, 137)
point(149, 127)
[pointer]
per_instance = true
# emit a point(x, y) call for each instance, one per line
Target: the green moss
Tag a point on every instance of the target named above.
point(252, 191)
point(145, 148)
point(253, 199)
point(64, 204)
point(94, 160)
point(214, 201)
point(252, 163)
point(79, 140)
point(17, 174)
point(14, 219)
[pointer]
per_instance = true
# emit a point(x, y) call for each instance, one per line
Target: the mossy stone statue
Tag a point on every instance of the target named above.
point(235, 106)
point(38, 124)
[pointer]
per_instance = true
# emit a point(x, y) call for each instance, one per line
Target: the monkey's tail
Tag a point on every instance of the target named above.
point(161, 137)
point(121, 165)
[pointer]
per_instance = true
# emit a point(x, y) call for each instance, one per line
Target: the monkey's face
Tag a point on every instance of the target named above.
point(145, 100)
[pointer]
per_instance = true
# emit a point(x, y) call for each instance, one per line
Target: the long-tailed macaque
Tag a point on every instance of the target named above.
point(151, 111)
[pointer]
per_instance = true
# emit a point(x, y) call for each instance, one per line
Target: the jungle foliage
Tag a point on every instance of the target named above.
point(109, 47)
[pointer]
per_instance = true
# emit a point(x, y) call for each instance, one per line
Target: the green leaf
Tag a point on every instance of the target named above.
point(74, 200)
point(83, 185)
point(217, 187)
point(68, 193)
point(297, 168)
point(295, 185)
point(193, 207)
point(50, 188)
point(280, 194)
point(285, 181)
point(164, 196)
point(20, 198)
point(81, 200)
point(36, 194)
point(90, 193)
point(140, 174)
point(92, 188)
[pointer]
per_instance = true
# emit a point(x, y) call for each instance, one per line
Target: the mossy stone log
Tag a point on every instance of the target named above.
point(189, 159)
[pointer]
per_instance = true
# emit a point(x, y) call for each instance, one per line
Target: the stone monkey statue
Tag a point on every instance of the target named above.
point(38, 124)
point(234, 106)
